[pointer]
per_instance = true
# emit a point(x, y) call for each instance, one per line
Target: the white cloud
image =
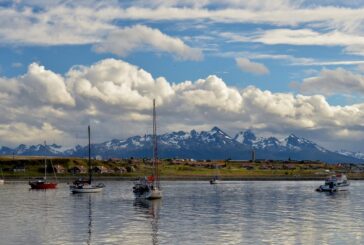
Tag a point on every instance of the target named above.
point(82, 24)
point(37, 86)
point(338, 81)
point(306, 37)
point(252, 67)
point(123, 41)
point(29, 134)
point(88, 22)
point(352, 43)
point(118, 95)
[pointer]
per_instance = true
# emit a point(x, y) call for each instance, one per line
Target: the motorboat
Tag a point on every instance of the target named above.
point(335, 183)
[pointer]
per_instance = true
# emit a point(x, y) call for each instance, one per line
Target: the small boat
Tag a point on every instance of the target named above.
point(86, 186)
point(214, 180)
point(335, 183)
point(149, 187)
point(2, 181)
point(41, 183)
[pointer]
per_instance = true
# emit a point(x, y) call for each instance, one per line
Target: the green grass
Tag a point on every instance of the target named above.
point(35, 167)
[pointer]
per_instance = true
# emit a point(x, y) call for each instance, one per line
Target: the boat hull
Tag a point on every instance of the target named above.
point(326, 188)
point(86, 189)
point(214, 182)
point(43, 186)
point(151, 194)
point(2, 181)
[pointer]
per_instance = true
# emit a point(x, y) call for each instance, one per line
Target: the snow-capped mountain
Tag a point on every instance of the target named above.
point(213, 144)
point(358, 155)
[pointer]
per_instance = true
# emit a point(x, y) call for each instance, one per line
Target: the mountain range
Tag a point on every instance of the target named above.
point(213, 144)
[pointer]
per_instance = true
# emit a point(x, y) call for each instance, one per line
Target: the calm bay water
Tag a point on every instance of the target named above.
point(191, 212)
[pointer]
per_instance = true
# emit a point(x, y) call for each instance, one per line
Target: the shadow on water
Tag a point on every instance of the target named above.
point(151, 209)
point(86, 200)
point(89, 220)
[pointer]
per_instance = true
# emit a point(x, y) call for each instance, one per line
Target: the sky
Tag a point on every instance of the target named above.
point(275, 67)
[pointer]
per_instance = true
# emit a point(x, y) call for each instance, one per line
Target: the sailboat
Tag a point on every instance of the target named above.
point(42, 183)
point(149, 187)
point(86, 186)
point(2, 181)
point(215, 179)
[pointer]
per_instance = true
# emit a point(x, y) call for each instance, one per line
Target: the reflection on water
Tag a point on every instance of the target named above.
point(191, 212)
point(90, 220)
point(150, 207)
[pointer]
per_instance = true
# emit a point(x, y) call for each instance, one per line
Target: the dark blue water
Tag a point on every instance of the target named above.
point(191, 212)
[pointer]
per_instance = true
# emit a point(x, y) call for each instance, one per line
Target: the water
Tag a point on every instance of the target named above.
point(191, 212)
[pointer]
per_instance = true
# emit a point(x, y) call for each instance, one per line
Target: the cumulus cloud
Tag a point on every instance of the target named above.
point(74, 24)
point(29, 134)
point(88, 22)
point(338, 81)
point(118, 96)
point(123, 41)
point(37, 86)
point(307, 37)
point(252, 67)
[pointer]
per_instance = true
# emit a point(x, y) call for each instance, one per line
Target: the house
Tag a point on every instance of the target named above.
point(247, 165)
point(100, 170)
point(265, 167)
point(289, 166)
point(19, 168)
point(77, 170)
point(119, 170)
point(59, 169)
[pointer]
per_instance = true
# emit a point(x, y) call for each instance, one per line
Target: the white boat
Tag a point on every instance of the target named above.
point(2, 181)
point(144, 188)
point(335, 183)
point(149, 187)
point(86, 186)
point(214, 180)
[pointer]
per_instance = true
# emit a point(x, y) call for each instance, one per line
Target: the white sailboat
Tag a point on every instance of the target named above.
point(86, 186)
point(149, 187)
point(2, 181)
point(215, 180)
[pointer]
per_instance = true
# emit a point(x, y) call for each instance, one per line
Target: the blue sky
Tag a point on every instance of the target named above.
point(276, 67)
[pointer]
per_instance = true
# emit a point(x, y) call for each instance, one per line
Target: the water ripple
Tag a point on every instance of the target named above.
point(191, 212)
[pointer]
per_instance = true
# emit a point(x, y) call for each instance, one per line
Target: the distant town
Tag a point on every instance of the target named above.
point(23, 167)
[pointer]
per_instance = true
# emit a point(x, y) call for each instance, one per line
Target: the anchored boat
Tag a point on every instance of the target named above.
point(41, 183)
point(149, 187)
point(335, 183)
point(86, 186)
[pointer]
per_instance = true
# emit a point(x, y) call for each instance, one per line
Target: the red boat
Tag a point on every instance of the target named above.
point(41, 184)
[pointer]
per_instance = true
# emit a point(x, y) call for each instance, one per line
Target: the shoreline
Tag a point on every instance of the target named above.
point(191, 178)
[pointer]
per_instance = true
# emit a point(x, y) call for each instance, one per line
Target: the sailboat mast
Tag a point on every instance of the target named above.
point(89, 156)
point(45, 161)
point(155, 147)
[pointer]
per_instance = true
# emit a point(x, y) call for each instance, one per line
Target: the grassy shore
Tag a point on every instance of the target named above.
point(22, 168)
